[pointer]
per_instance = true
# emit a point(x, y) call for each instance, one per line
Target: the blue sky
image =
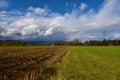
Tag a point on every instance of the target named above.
point(55, 5)
point(59, 19)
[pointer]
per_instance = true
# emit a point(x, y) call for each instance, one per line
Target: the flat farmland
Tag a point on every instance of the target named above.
point(60, 63)
point(90, 63)
point(27, 63)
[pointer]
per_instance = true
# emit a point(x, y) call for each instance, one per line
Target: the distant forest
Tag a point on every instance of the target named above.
point(75, 42)
point(91, 43)
point(12, 43)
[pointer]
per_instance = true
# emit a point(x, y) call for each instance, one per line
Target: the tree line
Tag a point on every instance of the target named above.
point(12, 43)
point(75, 42)
point(90, 43)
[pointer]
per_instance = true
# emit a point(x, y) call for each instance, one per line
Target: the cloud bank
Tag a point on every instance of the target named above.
point(43, 24)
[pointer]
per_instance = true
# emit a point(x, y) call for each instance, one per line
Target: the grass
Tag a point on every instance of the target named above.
point(90, 63)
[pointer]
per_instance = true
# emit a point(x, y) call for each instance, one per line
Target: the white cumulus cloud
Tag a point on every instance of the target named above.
point(83, 6)
point(40, 23)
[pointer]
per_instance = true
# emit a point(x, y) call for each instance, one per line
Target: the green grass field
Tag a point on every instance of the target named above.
point(90, 63)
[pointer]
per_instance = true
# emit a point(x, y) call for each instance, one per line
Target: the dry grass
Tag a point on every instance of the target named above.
point(28, 63)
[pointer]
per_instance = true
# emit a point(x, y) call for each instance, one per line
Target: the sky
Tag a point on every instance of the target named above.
point(52, 20)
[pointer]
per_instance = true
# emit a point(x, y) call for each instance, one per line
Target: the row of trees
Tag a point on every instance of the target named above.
point(12, 43)
point(65, 43)
point(90, 43)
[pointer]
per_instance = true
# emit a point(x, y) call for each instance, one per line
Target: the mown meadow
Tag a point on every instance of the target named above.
point(90, 63)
